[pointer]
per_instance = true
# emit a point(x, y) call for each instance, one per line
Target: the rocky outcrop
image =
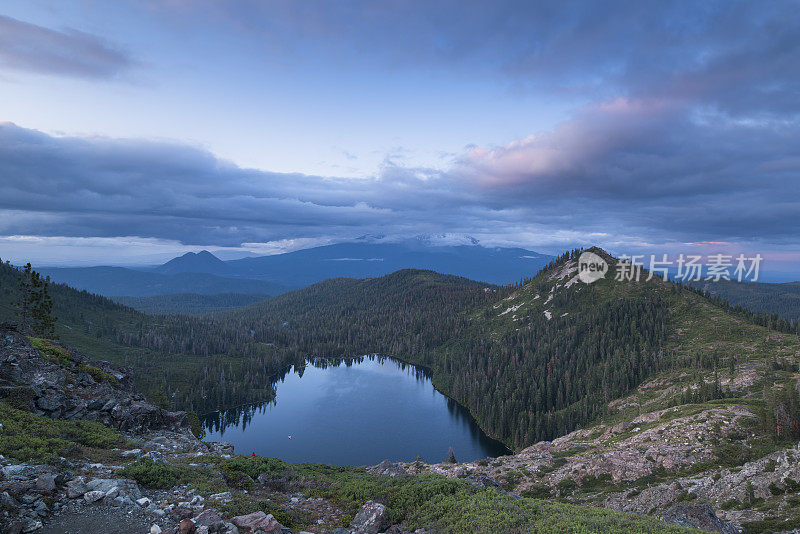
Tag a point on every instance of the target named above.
point(76, 388)
point(699, 516)
point(388, 469)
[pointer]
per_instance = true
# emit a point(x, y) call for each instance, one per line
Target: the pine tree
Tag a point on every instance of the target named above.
point(26, 297)
point(42, 312)
point(35, 306)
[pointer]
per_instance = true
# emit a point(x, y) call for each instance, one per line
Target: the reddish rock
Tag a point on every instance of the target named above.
point(258, 521)
point(186, 527)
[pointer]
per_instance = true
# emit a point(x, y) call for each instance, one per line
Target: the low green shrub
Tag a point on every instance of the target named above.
point(51, 351)
point(98, 374)
point(792, 485)
point(253, 466)
point(567, 484)
point(598, 482)
point(772, 524)
point(449, 505)
point(20, 397)
point(537, 491)
point(30, 437)
point(151, 474)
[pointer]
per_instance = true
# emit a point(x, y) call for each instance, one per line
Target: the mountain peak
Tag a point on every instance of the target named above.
point(201, 254)
point(194, 262)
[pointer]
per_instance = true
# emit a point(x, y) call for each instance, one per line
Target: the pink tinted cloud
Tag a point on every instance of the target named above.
point(563, 157)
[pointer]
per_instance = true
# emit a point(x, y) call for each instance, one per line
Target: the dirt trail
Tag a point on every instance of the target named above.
point(98, 520)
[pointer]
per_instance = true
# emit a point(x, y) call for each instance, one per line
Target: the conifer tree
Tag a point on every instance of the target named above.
point(35, 306)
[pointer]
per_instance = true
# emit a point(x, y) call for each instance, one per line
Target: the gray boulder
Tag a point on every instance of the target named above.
point(700, 516)
point(93, 496)
point(76, 488)
point(46, 483)
point(371, 519)
point(387, 469)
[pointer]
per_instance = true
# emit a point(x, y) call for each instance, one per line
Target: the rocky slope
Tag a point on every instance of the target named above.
point(63, 384)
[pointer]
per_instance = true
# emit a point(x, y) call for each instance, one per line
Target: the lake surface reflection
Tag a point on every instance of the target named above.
point(354, 412)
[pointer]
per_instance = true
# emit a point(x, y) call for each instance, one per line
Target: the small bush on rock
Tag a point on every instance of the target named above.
point(51, 351)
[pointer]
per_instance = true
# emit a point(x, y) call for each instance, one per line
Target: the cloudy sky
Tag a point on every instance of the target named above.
point(136, 130)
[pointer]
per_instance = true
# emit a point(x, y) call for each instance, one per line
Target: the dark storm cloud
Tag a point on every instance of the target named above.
point(68, 52)
point(622, 168)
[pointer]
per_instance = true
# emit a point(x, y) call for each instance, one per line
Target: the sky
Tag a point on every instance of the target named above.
point(134, 131)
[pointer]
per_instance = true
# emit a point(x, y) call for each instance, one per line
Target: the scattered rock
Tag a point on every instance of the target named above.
point(209, 518)
point(258, 521)
point(14, 471)
point(156, 457)
point(483, 481)
point(181, 512)
point(31, 526)
point(219, 447)
point(371, 519)
point(7, 501)
point(224, 496)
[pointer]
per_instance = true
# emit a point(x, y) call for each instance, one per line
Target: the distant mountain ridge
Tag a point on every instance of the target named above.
point(205, 274)
point(495, 265)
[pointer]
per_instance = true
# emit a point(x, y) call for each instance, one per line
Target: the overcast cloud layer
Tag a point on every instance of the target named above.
point(687, 131)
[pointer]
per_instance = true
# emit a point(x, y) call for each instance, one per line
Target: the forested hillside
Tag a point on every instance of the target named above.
point(190, 303)
point(177, 371)
point(121, 281)
point(768, 299)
